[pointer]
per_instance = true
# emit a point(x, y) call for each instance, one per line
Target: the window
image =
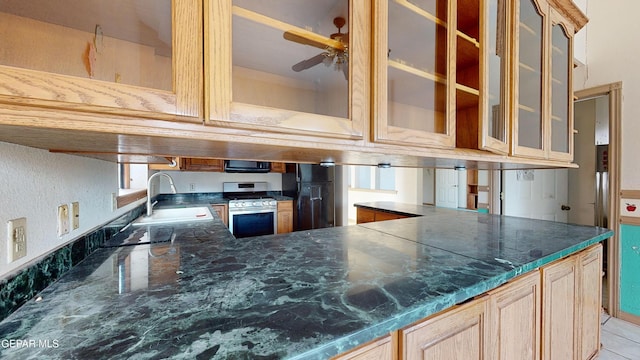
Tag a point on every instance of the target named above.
point(374, 178)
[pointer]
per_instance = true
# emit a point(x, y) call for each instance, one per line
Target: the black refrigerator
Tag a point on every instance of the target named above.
point(311, 187)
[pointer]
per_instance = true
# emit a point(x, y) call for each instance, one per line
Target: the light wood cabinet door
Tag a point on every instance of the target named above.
point(542, 74)
point(590, 300)
point(460, 333)
point(559, 310)
point(414, 74)
point(365, 215)
point(514, 315)
point(530, 72)
point(223, 212)
point(177, 163)
point(278, 167)
point(289, 67)
point(382, 349)
point(201, 164)
point(494, 46)
point(285, 216)
point(128, 57)
point(561, 94)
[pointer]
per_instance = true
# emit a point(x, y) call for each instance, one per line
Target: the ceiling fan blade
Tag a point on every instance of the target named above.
point(305, 64)
point(312, 39)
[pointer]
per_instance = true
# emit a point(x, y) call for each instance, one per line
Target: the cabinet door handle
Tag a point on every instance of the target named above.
point(565, 207)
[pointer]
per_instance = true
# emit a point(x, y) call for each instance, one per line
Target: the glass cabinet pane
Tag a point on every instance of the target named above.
point(495, 67)
point(560, 96)
point(417, 65)
point(292, 55)
point(124, 41)
point(530, 80)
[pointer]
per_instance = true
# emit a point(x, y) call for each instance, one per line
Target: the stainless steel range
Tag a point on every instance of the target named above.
point(251, 211)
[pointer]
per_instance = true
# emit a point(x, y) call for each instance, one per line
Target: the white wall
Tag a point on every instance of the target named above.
point(408, 190)
point(580, 39)
point(612, 56)
point(34, 182)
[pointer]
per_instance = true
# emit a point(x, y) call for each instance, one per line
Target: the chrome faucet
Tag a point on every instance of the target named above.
point(149, 204)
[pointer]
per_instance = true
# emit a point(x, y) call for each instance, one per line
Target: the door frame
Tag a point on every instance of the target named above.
point(614, 92)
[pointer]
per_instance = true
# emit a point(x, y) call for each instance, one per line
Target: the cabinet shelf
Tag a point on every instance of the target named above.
point(419, 11)
point(527, 109)
point(528, 68)
point(466, 97)
point(421, 73)
point(471, 40)
point(529, 30)
point(290, 30)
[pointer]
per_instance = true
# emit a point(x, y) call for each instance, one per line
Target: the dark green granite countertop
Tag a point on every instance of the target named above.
point(200, 293)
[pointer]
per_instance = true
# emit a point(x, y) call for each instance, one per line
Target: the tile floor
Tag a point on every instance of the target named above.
point(620, 340)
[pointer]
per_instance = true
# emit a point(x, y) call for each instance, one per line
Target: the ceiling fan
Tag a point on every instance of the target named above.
point(335, 48)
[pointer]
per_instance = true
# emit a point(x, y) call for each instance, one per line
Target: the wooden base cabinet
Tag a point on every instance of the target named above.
point(553, 313)
point(460, 333)
point(514, 315)
point(369, 215)
point(223, 212)
point(590, 298)
point(285, 216)
point(571, 306)
point(382, 349)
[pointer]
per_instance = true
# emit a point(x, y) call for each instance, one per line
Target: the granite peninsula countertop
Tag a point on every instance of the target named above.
point(302, 295)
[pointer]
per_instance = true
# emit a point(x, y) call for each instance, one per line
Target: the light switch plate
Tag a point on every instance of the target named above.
point(75, 215)
point(63, 219)
point(16, 239)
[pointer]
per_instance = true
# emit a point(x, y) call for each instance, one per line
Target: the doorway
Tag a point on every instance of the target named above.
point(593, 195)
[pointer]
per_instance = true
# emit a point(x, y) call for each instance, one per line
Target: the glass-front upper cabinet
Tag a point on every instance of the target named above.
point(289, 66)
point(124, 56)
point(495, 40)
point(414, 72)
point(561, 90)
point(529, 128)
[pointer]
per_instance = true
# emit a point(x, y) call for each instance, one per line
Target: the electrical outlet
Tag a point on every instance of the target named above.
point(63, 219)
point(192, 187)
point(16, 239)
point(75, 215)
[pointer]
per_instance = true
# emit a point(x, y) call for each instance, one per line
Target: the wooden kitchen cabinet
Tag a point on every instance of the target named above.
point(542, 68)
point(549, 313)
point(364, 215)
point(459, 333)
point(132, 57)
point(571, 298)
point(559, 315)
point(223, 212)
point(277, 68)
point(493, 123)
point(414, 73)
point(177, 163)
point(590, 299)
point(285, 216)
point(278, 167)
point(203, 164)
point(514, 319)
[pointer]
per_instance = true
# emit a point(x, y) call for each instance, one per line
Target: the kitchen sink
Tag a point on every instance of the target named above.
point(175, 215)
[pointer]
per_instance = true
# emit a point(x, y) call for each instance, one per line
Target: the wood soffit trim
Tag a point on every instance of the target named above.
point(571, 11)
